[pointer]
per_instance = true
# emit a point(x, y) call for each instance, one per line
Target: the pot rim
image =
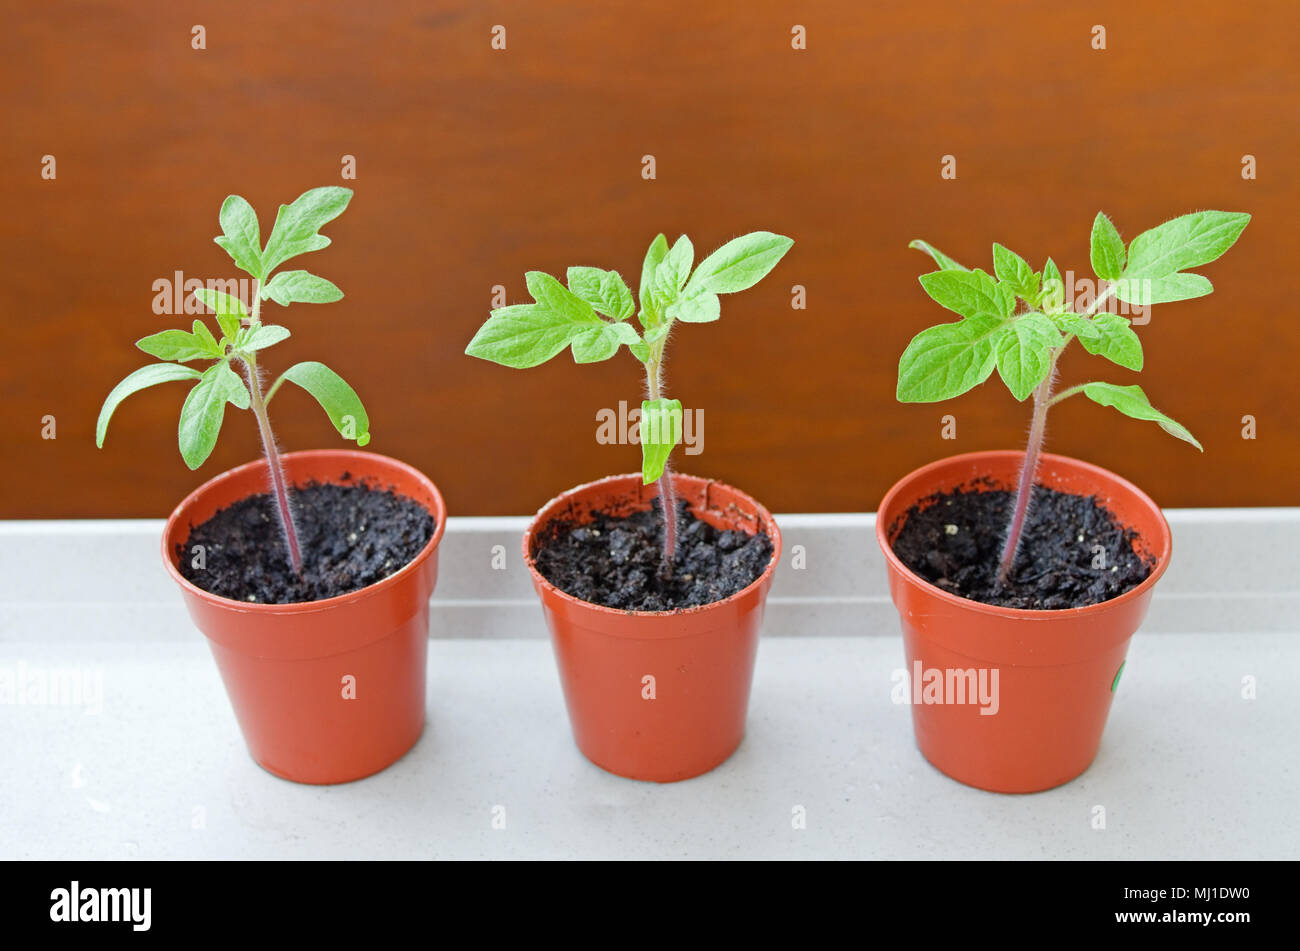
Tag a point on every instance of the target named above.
point(761, 510)
point(359, 457)
point(1163, 548)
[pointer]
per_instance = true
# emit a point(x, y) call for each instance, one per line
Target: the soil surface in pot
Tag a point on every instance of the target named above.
point(351, 536)
point(954, 540)
point(614, 560)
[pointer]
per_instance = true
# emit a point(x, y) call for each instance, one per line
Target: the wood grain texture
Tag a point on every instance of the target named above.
point(475, 165)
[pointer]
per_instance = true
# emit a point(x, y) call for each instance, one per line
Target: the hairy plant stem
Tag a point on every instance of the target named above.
point(1037, 429)
point(667, 498)
point(1043, 401)
point(279, 484)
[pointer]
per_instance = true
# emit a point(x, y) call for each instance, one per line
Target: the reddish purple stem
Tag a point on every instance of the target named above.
point(1037, 429)
point(668, 502)
point(279, 484)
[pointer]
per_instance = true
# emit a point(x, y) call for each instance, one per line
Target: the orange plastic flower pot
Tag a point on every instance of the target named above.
point(324, 691)
point(1056, 670)
point(656, 695)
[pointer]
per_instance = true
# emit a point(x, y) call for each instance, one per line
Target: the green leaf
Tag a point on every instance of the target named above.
point(1115, 340)
point(1156, 257)
point(201, 332)
point(1015, 272)
point(229, 310)
point(177, 345)
point(1108, 255)
point(142, 378)
point(661, 430)
point(297, 224)
point(945, 263)
point(551, 294)
point(739, 264)
point(698, 308)
point(1076, 325)
point(602, 341)
point(1184, 242)
point(1144, 291)
point(1024, 353)
point(968, 293)
point(657, 251)
point(230, 325)
point(585, 282)
point(593, 339)
point(1052, 298)
point(605, 291)
point(336, 397)
point(1131, 401)
point(947, 360)
point(241, 237)
point(673, 270)
point(181, 345)
point(263, 336)
point(289, 287)
point(205, 408)
point(524, 335)
point(617, 295)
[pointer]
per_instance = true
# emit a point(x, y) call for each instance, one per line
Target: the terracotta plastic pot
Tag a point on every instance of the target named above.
point(285, 666)
point(1056, 670)
point(701, 659)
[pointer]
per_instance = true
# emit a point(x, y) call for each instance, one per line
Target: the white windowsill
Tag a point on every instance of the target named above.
point(1187, 767)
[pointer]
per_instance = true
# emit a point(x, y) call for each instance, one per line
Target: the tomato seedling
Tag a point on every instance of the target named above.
point(591, 318)
point(1019, 322)
point(244, 336)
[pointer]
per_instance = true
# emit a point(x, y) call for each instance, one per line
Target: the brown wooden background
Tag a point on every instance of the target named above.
point(476, 165)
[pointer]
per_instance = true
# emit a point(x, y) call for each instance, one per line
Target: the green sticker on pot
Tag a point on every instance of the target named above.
point(1118, 674)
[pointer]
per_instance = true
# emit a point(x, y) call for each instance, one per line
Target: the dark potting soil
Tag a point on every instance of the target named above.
point(351, 536)
point(615, 560)
point(954, 541)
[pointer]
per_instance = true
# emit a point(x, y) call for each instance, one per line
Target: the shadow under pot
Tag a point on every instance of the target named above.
point(658, 695)
point(331, 690)
point(1056, 670)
